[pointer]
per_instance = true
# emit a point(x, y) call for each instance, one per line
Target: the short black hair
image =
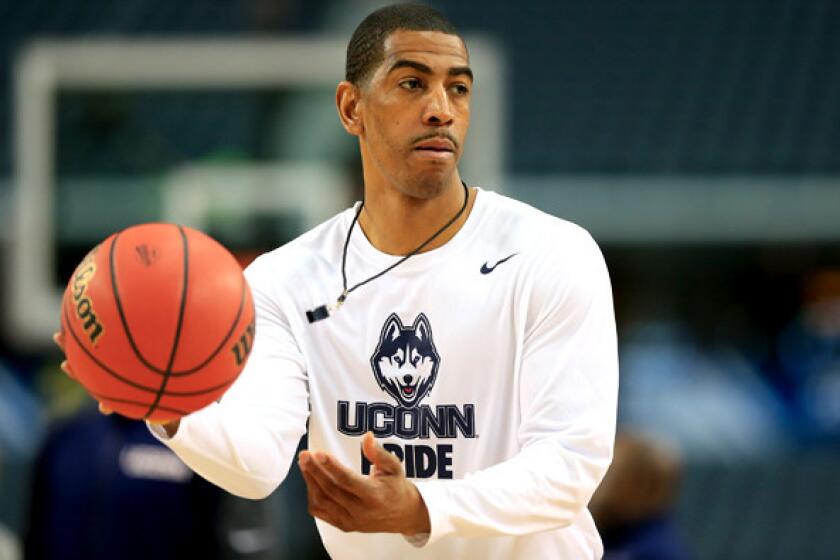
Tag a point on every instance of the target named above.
point(367, 45)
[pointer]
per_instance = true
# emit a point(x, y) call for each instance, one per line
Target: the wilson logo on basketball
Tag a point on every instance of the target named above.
point(242, 348)
point(83, 304)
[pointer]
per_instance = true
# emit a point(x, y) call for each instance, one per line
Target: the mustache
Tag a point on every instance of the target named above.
point(432, 135)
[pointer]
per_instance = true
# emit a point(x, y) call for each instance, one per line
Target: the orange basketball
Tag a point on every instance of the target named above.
point(158, 321)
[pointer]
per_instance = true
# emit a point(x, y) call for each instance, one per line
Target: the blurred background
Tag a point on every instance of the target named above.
point(698, 140)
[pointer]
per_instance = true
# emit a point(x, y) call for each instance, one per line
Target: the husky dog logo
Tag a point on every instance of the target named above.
point(405, 362)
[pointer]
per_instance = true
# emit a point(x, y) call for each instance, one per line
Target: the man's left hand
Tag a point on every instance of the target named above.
point(383, 502)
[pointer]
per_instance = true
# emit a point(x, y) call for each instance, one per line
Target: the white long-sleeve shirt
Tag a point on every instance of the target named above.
point(488, 365)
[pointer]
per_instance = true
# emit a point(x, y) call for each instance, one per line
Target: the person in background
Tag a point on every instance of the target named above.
point(105, 488)
point(633, 508)
point(9, 545)
point(809, 358)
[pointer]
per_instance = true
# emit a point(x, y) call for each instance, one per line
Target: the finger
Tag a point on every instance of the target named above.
point(65, 367)
point(105, 410)
point(345, 477)
point(346, 493)
point(306, 462)
point(321, 504)
point(169, 426)
point(318, 505)
point(320, 498)
point(385, 462)
point(58, 338)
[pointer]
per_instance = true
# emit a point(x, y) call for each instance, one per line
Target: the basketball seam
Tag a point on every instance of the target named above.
point(183, 307)
point(134, 384)
point(222, 343)
point(100, 364)
point(134, 347)
point(120, 311)
point(100, 397)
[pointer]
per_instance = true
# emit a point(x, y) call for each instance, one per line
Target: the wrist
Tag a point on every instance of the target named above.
point(419, 522)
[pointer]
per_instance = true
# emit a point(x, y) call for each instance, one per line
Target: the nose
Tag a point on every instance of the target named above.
point(407, 379)
point(439, 110)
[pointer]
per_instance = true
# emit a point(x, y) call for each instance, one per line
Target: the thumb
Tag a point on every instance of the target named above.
point(58, 338)
point(385, 462)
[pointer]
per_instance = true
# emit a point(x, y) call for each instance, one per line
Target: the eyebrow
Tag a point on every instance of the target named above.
point(420, 67)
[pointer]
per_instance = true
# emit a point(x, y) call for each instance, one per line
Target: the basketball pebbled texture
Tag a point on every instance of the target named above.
point(158, 321)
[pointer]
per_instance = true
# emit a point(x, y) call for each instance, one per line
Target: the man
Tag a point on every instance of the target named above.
point(635, 505)
point(471, 354)
point(139, 488)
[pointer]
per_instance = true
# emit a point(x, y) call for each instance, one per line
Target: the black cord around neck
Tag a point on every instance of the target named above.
point(323, 311)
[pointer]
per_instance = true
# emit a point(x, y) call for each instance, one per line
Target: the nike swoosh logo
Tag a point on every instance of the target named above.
point(488, 269)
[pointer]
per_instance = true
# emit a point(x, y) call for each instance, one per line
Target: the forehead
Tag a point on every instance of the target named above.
point(430, 47)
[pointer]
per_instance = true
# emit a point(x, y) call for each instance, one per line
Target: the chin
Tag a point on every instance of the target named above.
point(428, 185)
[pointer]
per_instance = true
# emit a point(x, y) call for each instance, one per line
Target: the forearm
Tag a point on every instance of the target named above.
point(544, 487)
point(237, 450)
point(246, 443)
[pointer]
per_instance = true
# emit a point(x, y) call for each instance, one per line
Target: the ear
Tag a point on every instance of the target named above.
point(392, 327)
point(422, 329)
point(347, 101)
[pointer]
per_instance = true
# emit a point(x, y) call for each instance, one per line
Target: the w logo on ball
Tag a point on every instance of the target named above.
point(405, 362)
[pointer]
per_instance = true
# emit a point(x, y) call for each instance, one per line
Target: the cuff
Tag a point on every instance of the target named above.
point(435, 494)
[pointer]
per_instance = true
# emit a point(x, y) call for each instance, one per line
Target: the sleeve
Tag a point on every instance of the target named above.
point(245, 442)
point(568, 396)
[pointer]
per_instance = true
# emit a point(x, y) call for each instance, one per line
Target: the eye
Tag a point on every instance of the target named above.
point(411, 83)
point(461, 89)
point(399, 357)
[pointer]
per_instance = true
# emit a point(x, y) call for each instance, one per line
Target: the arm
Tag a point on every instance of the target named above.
point(245, 443)
point(568, 395)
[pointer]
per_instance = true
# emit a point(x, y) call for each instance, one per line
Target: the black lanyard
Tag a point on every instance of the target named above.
point(323, 311)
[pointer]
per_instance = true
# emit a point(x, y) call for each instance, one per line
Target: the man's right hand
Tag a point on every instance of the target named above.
point(171, 428)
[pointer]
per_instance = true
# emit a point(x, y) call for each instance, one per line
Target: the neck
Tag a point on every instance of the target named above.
point(397, 224)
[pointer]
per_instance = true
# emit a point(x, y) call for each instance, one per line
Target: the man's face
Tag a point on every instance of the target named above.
point(415, 111)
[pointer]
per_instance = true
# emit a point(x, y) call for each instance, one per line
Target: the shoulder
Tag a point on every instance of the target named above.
point(544, 239)
point(310, 254)
point(561, 267)
point(562, 278)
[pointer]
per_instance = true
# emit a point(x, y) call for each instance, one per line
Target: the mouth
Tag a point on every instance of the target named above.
point(436, 148)
point(408, 390)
